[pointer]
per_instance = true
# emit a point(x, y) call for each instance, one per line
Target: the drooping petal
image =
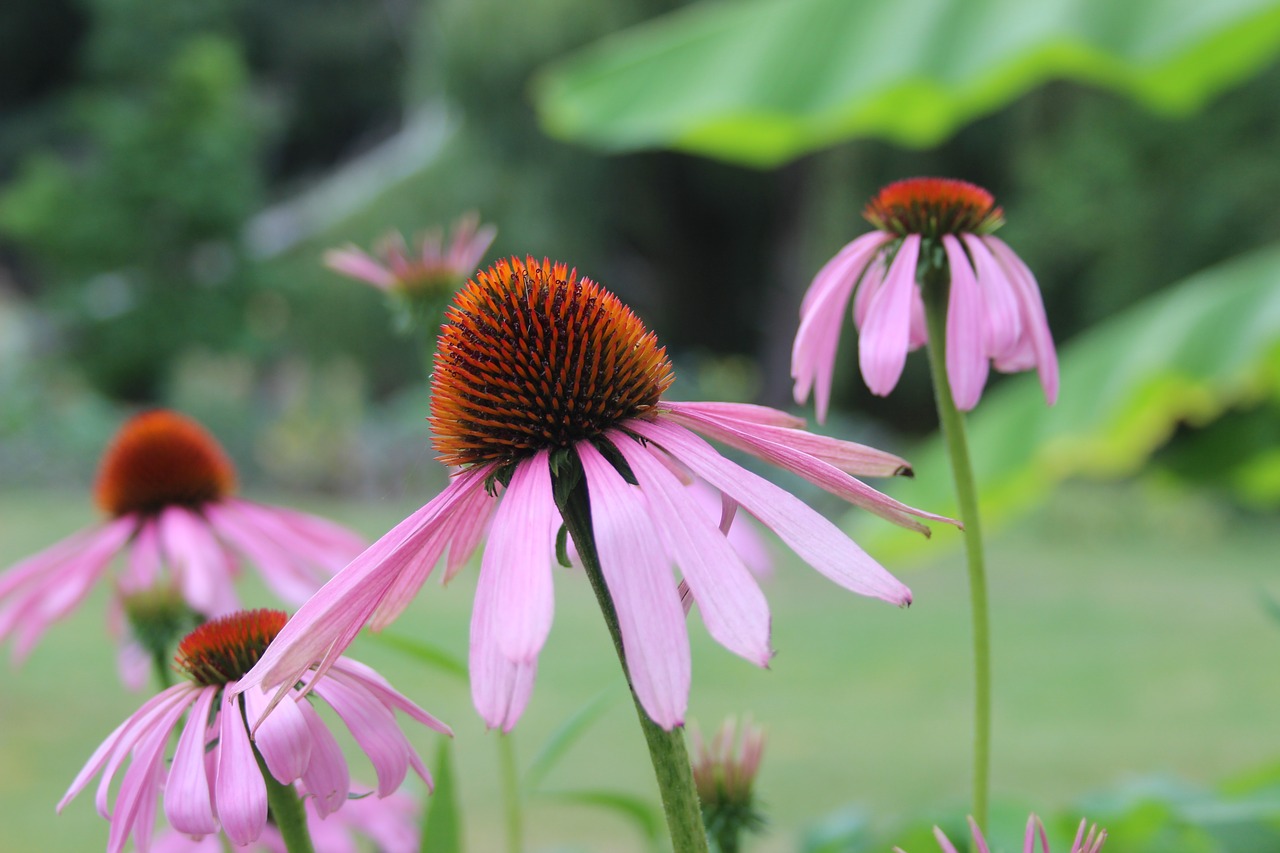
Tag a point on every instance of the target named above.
point(943, 842)
point(815, 539)
point(817, 471)
point(282, 738)
point(500, 688)
point(327, 778)
point(240, 790)
point(331, 618)
point(202, 567)
point(1035, 325)
point(369, 679)
point(142, 569)
point(150, 716)
point(856, 459)
point(732, 605)
point(1002, 319)
point(519, 555)
point(350, 261)
point(966, 337)
point(287, 576)
point(188, 802)
point(882, 345)
point(374, 727)
point(466, 530)
point(136, 803)
point(650, 618)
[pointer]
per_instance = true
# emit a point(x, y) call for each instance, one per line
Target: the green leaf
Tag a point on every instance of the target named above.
point(646, 817)
point(564, 737)
point(433, 656)
point(442, 827)
point(761, 82)
point(1188, 354)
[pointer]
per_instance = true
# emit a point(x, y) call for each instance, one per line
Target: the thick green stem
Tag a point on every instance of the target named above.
point(510, 792)
point(287, 811)
point(953, 431)
point(667, 751)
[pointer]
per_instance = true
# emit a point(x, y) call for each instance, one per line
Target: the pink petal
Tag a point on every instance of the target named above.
point(203, 569)
point(319, 632)
point(141, 786)
point(745, 412)
point(354, 263)
point(760, 443)
point(466, 529)
point(283, 572)
point(732, 605)
point(371, 680)
point(978, 838)
point(282, 738)
point(310, 539)
point(856, 459)
point(327, 778)
point(882, 346)
point(636, 572)
point(374, 727)
point(239, 787)
point(145, 563)
point(143, 722)
point(814, 539)
point(188, 803)
point(1002, 318)
point(946, 845)
point(1035, 325)
point(500, 688)
point(848, 263)
point(520, 560)
point(966, 344)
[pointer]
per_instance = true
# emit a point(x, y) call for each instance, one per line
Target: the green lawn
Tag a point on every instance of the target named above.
point(1130, 639)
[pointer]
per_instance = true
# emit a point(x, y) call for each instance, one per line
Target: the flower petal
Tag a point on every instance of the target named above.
point(1001, 317)
point(188, 803)
point(327, 778)
point(374, 727)
point(282, 738)
point(732, 605)
point(371, 680)
point(882, 346)
point(1035, 325)
point(240, 790)
point(500, 688)
point(650, 618)
point(519, 555)
point(136, 803)
point(815, 539)
point(198, 560)
point(966, 344)
point(352, 262)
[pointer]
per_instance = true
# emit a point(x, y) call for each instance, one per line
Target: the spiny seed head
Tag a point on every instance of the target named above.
point(532, 356)
point(932, 207)
point(223, 650)
point(160, 458)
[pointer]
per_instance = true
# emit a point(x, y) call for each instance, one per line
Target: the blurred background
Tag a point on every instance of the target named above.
point(171, 173)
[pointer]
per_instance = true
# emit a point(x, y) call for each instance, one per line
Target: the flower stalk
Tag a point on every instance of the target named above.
point(667, 751)
point(935, 293)
point(287, 810)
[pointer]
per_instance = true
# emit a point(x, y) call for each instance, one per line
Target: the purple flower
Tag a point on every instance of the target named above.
point(431, 266)
point(539, 373)
point(213, 780)
point(994, 314)
point(169, 490)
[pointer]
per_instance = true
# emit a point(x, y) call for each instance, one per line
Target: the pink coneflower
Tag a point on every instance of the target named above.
point(724, 772)
point(213, 780)
point(544, 381)
point(994, 311)
point(169, 490)
point(1084, 843)
point(430, 266)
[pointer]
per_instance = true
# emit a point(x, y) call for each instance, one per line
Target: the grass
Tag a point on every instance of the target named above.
point(1130, 638)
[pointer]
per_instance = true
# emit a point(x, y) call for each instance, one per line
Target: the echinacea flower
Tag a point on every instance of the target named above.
point(540, 372)
point(168, 488)
point(213, 780)
point(994, 311)
point(431, 266)
point(391, 823)
point(724, 773)
point(1090, 843)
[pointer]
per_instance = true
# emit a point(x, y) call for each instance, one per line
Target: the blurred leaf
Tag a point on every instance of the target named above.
point(564, 737)
point(432, 656)
point(760, 82)
point(442, 827)
point(1188, 354)
point(639, 812)
point(843, 832)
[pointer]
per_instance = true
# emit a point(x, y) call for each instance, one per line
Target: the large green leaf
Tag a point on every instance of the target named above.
point(1188, 354)
point(760, 82)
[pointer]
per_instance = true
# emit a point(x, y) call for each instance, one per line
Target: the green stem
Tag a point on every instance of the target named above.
point(953, 431)
point(510, 792)
point(160, 665)
point(287, 811)
point(667, 751)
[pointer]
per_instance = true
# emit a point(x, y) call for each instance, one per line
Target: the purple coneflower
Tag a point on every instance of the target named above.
point(724, 773)
point(213, 780)
point(1084, 843)
point(545, 383)
point(430, 266)
point(994, 311)
point(169, 490)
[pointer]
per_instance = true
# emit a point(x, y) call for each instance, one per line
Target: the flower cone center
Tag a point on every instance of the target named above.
point(159, 459)
point(532, 356)
point(223, 650)
point(932, 207)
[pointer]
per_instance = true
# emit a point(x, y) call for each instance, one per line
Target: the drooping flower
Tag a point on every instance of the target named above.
point(1084, 843)
point(542, 375)
point(213, 781)
point(724, 773)
point(431, 266)
point(391, 823)
point(168, 488)
point(994, 312)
